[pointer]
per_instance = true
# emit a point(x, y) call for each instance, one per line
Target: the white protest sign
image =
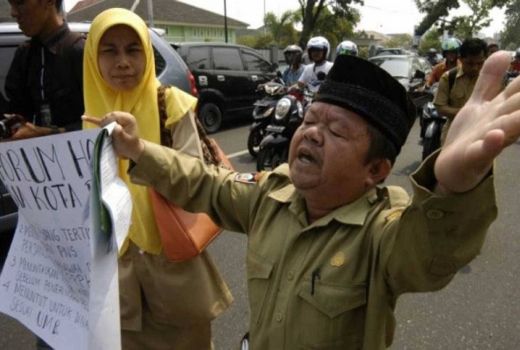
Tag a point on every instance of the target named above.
point(46, 280)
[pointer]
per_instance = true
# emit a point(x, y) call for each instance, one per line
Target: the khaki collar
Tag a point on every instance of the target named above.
point(354, 213)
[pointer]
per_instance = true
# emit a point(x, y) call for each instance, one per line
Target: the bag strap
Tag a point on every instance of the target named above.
point(209, 152)
point(451, 78)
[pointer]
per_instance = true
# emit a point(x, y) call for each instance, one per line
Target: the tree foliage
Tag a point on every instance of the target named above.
point(430, 40)
point(399, 40)
point(461, 26)
point(510, 39)
point(282, 29)
point(312, 10)
point(434, 10)
point(334, 28)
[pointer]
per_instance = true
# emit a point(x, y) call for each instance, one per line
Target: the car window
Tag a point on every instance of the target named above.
point(198, 58)
point(160, 62)
point(255, 63)
point(225, 58)
point(398, 68)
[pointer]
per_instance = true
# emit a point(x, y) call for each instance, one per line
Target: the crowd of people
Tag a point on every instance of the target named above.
point(330, 248)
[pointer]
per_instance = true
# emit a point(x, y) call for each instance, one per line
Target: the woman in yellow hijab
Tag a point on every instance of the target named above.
point(163, 304)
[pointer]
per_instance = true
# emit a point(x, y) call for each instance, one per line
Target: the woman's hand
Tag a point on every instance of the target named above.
point(488, 123)
point(125, 137)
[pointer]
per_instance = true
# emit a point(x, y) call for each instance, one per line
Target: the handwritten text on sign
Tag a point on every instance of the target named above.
point(45, 282)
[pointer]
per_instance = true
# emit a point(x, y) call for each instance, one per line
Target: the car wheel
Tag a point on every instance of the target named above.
point(210, 117)
point(253, 141)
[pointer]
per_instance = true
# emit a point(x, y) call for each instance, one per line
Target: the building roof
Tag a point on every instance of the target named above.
point(164, 11)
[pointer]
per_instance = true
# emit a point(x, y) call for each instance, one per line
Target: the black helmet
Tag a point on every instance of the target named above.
point(292, 54)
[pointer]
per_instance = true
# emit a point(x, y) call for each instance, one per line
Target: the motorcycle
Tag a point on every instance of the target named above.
point(274, 147)
point(433, 130)
point(263, 112)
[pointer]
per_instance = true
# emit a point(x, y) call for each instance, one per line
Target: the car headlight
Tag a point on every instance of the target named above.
point(282, 108)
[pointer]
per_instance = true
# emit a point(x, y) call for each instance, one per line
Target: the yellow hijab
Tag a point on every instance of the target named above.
point(141, 102)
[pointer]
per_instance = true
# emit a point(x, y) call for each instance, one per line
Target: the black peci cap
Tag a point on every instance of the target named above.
point(362, 87)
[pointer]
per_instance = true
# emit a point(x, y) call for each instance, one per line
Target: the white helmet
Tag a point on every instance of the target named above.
point(320, 43)
point(347, 47)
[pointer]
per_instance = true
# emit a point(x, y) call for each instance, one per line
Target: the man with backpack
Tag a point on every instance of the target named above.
point(456, 85)
point(44, 83)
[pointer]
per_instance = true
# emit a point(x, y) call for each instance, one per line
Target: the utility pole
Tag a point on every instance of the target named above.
point(150, 12)
point(225, 22)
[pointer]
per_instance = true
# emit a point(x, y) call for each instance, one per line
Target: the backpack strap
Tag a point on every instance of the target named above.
point(451, 78)
point(209, 152)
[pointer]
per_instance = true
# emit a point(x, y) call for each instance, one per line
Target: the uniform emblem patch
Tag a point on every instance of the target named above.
point(338, 259)
point(247, 178)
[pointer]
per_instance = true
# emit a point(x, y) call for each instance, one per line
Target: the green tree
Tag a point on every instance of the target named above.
point(510, 39)
point(282, 29)
point(469, 26)
point(334, 28)
point(461, 26)
point(434, 11)
point(256, 41)
point(312, 10)
point(399, 40)
point(430, 40)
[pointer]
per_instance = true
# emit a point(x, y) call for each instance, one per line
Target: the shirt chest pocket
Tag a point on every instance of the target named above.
point(259, 272)
point(332, 316)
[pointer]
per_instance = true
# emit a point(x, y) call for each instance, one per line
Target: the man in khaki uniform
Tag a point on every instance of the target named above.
point(329, 250)
point(451, 96)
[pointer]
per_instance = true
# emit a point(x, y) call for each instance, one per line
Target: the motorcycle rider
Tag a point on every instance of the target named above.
point(450, 51)
point(431, 56)
point(515, 63)
point(347, 47)
point(318, 49)
point(293, 57)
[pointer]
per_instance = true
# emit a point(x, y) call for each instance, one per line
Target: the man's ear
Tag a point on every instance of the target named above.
point(379, 169)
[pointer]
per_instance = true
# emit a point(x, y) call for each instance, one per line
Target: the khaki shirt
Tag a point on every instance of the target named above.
point(459, 93)
point(332, 284)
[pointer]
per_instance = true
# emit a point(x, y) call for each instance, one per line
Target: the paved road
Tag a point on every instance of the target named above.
point(479, 310)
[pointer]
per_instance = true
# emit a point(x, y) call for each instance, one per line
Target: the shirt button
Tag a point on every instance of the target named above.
point(278, 317)
point(434, 214)
point(290, 276)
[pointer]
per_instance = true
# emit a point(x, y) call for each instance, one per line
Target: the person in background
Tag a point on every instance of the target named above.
point(431, 56)
point(293, 57)
point(164, 304)
point(330, 249)
point(44, 84)
point(515, 62)
point(492, 48)
point(450, 52)
point(318, 49)
point(45, 81)
point(456, 85)
point(347, 47)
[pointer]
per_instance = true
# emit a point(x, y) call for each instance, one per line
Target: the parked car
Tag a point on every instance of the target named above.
point(411, 71)
point(170, 69)
point(226, 76)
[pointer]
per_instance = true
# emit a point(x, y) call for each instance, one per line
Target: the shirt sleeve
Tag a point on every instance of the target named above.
point(306, 74)
point(442, 97)
point(18, 98)
point(187, 182)
point(427, 242)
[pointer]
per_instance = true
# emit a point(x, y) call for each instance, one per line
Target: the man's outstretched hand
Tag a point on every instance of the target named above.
point(488, 123)
point(125, 137)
